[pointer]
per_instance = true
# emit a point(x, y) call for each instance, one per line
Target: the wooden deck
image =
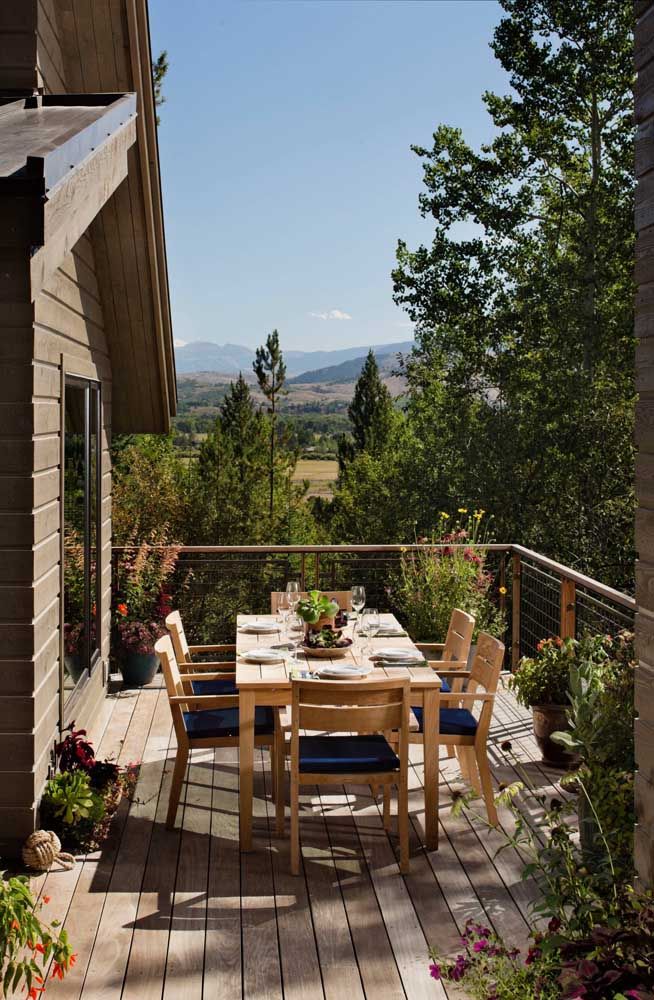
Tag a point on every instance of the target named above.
point(183, 914)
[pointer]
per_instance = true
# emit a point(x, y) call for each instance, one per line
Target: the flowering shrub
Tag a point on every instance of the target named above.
point(430, 583)
point(545, 678)
point(28, 944)
point(488, 970)
point(141, 596)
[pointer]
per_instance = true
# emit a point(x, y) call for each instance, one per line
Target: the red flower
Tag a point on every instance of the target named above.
point(46, 899)
point(122, 609)
point(57, 971)
point(15, 926)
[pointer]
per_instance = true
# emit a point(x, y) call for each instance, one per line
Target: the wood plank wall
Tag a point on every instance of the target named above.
point(18, 45)
point(65, 321)
point(644, 274)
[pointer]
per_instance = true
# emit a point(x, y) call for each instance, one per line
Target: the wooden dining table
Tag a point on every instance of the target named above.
point(269, 684)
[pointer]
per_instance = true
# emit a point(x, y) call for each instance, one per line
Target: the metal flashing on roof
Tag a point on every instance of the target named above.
point(43, 138)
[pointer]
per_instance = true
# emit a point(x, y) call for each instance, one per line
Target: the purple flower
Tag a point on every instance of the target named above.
point(480, 945)
point(532, 955)
point(435, 971)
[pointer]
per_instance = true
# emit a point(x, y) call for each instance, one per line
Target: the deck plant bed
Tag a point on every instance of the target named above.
point(82, 796)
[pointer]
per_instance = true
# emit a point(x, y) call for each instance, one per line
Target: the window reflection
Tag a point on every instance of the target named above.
point(81, 472)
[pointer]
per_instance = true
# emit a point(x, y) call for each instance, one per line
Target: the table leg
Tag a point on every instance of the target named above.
point(246, 706)
point(431, 754)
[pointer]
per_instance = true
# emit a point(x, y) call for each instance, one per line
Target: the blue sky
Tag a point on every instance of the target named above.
point(286, 166)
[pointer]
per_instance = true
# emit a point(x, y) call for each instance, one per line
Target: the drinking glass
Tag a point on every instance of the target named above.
point(283, 608)
point(294, 637)
point(293, 593)
point(358, 599)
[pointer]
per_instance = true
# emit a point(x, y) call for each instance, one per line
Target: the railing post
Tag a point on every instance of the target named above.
point(317, 571)
point(303, 560)
point(516, 598)
point(568, 621)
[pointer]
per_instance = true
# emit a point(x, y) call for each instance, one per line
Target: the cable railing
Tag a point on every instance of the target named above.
point(539, 597)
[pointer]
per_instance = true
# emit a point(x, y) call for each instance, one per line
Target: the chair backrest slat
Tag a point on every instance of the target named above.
point(176, 629)
point(487, 664)
point(459, 636)
point(333, 706)
point(342, 597)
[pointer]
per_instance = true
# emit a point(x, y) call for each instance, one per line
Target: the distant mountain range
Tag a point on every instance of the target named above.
point(204, 356)
point(347, 371)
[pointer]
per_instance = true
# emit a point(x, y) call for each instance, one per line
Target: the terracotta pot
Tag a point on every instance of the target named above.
point(550, 719)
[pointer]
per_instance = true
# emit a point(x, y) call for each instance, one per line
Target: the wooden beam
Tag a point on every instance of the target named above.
point(74, 203)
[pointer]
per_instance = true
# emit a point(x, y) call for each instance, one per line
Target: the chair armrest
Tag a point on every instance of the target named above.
point(468, 697)
point(451, 673)
point(458, 667)
point(227, 665)
point(216, 676)
point(226, 647)
point(430, 646)
point(198, 702)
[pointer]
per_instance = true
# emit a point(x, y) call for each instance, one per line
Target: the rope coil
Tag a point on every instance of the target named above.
point(42, 849)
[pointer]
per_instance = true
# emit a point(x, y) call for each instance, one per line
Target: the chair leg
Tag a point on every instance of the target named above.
point(463, 764)
point(487, 785)
point(387, 807)
point(279, 768)
point(471, 763)
point(403, 825)
point(179, 771)
point(295, 827)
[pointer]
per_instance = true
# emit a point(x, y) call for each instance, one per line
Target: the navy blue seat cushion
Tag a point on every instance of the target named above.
point(346, 755)
point(445, 687)
point(223, 722)
point(453, 721)
point(225, 686)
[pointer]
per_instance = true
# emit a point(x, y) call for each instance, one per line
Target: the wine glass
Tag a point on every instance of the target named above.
point(294, 634)
point(358, 599)
point(283, 608)
point(293, 593)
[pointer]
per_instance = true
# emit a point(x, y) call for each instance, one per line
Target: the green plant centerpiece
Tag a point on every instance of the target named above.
point(317, 611)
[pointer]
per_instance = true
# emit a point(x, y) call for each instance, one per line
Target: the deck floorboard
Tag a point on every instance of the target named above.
point(158, 915)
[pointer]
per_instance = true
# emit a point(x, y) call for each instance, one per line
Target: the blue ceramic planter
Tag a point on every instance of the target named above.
point(139, 668)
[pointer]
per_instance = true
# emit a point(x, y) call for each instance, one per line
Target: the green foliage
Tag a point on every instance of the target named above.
point(27, 944)
point(316, 606)
point(150, 490)
point(70, 798)
point(370, 413)
point(545, 678)
point(159, 70)
point(521, 383)
point(430, 583)
point(270, 369)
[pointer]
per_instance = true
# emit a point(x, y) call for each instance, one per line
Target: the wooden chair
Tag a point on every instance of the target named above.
point(462, 730)
point(455, 651)
point(223, 684)
point(211, 720)
point(342, 597)
point(336, 707)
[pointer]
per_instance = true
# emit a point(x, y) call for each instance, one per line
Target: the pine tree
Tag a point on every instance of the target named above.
point(370, 413)
point(239, 419)
point(270, 369)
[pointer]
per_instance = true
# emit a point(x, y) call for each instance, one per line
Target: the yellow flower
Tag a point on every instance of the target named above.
point(477, 515)
point(445, 516)
point(463, 510)
point(502, 590)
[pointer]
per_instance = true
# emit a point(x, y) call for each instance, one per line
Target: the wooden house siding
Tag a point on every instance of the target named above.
point(644, 274)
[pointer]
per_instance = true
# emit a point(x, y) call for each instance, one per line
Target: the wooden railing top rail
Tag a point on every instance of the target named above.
point(579, 579)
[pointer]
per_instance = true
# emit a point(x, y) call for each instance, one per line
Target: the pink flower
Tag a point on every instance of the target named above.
point(435, 971)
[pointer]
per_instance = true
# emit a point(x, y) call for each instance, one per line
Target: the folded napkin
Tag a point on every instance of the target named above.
point(389, 633)
point(417, 662)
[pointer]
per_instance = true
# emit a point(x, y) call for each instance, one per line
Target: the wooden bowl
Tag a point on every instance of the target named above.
point(326, 654)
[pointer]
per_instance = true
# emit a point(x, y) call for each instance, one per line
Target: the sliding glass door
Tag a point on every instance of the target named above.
point(81, 527)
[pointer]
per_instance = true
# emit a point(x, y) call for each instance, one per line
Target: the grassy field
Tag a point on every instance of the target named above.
point(320, 472)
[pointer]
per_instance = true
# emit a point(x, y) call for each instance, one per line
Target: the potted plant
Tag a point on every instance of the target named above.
point(542, 683)
point(82, 796)
point(317, 611)
point(141, 603)
point(29, 947)
point(431, 582)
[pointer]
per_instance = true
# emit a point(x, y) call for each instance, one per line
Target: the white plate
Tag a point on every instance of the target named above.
point(264, 655)
point(343, 671)
point(396, 653)
point(259, 628)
